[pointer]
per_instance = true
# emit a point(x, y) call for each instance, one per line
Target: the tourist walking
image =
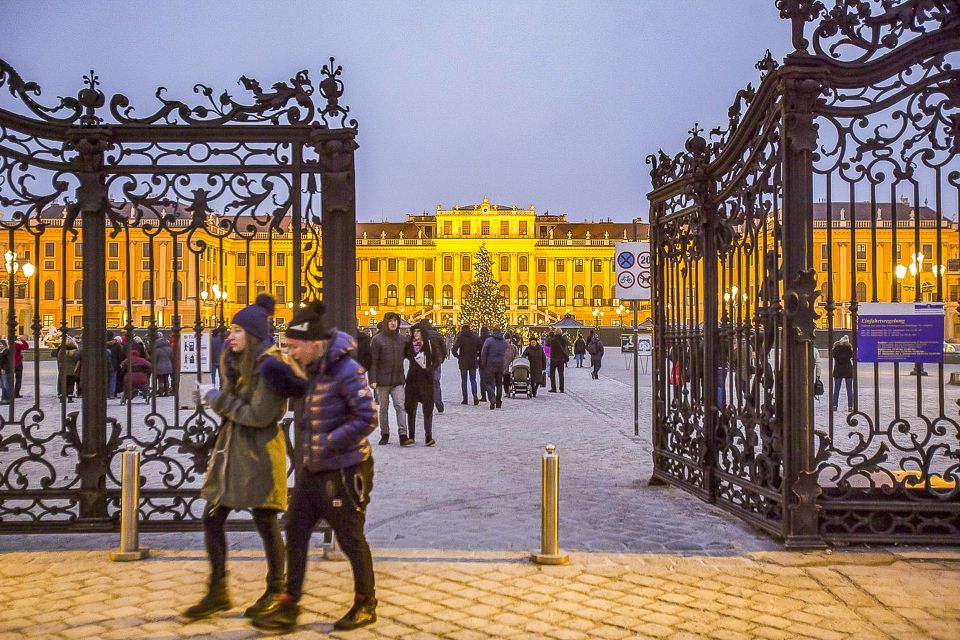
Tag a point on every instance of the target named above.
point(559, 355)
point(115, 357)
point(484, 336)
point(466, 349)
point(842, 371)
point(423, 359)
point(162, 364)
point(579, 349)
point(386, 375)
point(248, 465)
point(136, 377)
point(538, 363)
point(19, 346)
point(68, 359)
point(334, 484)
point(6, 372)
point(595, 349)
point(492, 362)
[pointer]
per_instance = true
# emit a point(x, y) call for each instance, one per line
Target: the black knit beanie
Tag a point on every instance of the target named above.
point(308, 323)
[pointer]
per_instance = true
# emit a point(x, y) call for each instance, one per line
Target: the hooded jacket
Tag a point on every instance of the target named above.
point(386, 355)
point(420, 379)
point(338, 410)
point(466, 349)
point(493, 354)
point(595, 348)
point(248, 464)
point(537, 359)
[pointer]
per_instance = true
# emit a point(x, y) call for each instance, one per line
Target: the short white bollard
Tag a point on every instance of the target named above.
point(129, 508)
point(550, 519)
point(331, 551)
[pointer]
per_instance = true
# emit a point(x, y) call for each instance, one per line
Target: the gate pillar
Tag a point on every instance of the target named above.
point(339, 238)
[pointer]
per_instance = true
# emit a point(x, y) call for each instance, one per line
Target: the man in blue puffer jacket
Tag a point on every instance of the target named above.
point(338, 413)
point(494, 365)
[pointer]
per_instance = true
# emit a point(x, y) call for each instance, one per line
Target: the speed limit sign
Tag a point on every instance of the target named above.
point(632, 266)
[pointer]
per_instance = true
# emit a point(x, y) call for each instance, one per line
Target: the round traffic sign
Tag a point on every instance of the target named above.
point(625, 260)
point(643, 259)
point(625, 279)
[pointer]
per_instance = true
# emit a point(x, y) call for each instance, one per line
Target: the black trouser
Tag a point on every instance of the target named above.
point(555, 369)
point(596, 367)
point(214, 518)
point(495, 387)
point(19, 377)
point(340, 497)
point(427, 419)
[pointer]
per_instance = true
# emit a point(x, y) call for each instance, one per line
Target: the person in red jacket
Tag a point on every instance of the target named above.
point(136, 377)
point(19, 346)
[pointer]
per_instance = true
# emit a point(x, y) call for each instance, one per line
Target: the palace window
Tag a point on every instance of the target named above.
point(447, 264)
point(927, 252)
point(147, 250)
point(374, 264)
point(541, 265)
point(447, 228)
point(242, 294)
point(447, 296)
point(391, 264)
point(428, 265)
point(465, 228)
point(862, 267)
point(523, 227)
point(597, 265)
point(522, 263)
point(523, 295)
point(954, 292)
point(261, 259)
point(178, 255)
point(464, 292)
point(560, 297)
point(504, 227)
point(241, 259)
point(113, 250)
point(428, 294)
point(505, 294)
point(861, 291)
point(373, 295)
point(485, 228)
point(146, 290)
point(261, 288)
point(465, 263)
point(560, 264)
point(113, 290)
point(578, 265)
point(597, 295)
point(78, 250)
point(49, 289)
point(177, 290)
point(824, 251)
point(411, 264)
point(281, 259)
point(861, 252)
point(504, 264)
point(578, 295)
point(49, 249)
point(392, 294)
point(427, 232)
point(409, 295)
point(542, 296)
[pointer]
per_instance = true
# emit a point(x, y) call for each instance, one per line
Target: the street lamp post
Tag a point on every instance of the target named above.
point(914, 268)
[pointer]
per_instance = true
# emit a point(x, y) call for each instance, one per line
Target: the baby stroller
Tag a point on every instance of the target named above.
point(520, 378)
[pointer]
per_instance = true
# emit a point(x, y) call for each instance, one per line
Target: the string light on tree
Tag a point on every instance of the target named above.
point(483, 306)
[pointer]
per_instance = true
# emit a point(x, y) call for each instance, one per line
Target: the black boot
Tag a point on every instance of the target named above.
point(384, 438)
point(362, 613)
point(215, 600)
point(476, 400)
point(280, 614)
point(274, 590)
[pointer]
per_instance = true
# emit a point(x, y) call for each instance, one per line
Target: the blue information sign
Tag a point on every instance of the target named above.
point(900, 332)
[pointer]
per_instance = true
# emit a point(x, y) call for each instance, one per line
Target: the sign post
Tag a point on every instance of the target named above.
point(632, 267)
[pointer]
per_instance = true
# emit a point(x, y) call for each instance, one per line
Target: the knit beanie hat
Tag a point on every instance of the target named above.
point(255, 319)
point(266, 301)
point(308, 323)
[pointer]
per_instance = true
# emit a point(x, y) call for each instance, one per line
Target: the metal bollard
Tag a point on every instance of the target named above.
point(550, 519)
point(129, 508)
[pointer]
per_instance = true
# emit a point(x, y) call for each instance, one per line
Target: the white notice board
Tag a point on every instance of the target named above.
point(632, 268)
point(189, 354)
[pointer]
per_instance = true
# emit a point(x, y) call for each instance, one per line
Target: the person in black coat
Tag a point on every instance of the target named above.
point(538, 363)
point(466, 349)
point(842, 371)
point(484, 335)
point(579, 349)
point(418, 390)
point(559, 355)
point(364, 356)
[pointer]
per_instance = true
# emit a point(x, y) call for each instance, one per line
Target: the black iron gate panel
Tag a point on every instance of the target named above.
point(835, 183)
point(156, 228)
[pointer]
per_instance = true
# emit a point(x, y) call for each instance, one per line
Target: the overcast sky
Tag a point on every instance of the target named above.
point(554, 103)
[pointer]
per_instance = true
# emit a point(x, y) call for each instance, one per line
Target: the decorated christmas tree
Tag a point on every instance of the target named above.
point(483, 306)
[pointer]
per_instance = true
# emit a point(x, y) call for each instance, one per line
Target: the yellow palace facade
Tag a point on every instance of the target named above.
point(422, 267)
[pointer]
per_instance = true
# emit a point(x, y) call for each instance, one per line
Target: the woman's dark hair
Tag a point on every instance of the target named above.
point(243, 363)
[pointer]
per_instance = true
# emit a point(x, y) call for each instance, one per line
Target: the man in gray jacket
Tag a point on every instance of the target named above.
point(386, 374)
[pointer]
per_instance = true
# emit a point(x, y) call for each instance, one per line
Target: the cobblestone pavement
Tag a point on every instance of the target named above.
point(468, 596)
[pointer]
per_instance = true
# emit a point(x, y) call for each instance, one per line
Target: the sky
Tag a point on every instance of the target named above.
point(555, 104)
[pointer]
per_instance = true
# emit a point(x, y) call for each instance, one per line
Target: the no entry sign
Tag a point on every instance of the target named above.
point(632, 267)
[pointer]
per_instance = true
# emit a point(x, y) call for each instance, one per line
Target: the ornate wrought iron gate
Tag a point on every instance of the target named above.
point(150, 208)
point(838, 142)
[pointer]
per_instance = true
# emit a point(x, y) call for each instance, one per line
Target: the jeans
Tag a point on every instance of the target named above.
point(384, 395)
point(579, 358)
point(5, 386)
point(472, 373)
point(340, 497)
point(836, 391)
point(215, 538)
point(556, 368)
point(437, 392)
point(111, 384)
